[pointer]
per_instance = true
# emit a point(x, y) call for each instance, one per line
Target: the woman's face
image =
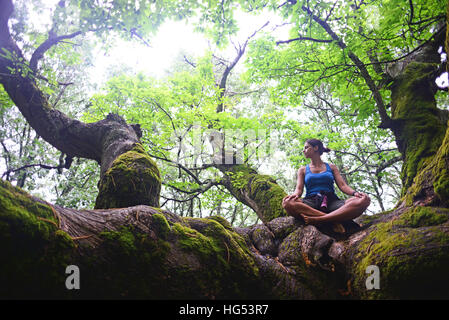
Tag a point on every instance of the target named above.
point(308, 150)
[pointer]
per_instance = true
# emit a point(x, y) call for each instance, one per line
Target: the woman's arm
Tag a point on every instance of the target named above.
point(299, 186)
point(341, 183)
point(300, 182)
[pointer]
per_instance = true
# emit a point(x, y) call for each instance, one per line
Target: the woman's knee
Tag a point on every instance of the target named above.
point(363, 202)
point(291, 206)
point(288, 207)
point(285, 204)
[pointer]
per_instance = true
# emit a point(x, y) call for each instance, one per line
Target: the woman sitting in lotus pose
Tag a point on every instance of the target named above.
point(321, 204)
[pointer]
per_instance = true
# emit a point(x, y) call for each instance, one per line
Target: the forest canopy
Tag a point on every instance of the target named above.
point(271, 93)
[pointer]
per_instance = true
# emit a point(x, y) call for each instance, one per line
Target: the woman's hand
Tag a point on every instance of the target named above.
point(360, 194)
point(293, 196)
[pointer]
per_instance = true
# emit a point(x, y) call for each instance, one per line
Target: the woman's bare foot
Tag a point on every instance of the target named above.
point(313, 220)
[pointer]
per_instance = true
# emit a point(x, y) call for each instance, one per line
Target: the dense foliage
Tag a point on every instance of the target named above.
point(329, 80)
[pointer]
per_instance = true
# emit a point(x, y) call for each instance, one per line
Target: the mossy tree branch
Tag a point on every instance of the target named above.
point(259, 192)
point(144, 252)
point(103, 141)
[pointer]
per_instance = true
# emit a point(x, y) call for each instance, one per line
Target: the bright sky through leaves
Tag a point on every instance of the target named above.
point(173, 38)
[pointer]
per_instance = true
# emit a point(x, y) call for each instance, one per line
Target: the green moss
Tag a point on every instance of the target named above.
point(161, 225)
point(269, 194)
point(441, 187)
point(410, 253)
point(225, 223)
point(212, 241)
point(225, 266)
point(423, 217)
point(34, 252)
point(122, 240)
point(261, 189)
point(133, 179)
point(18, 202)
point(230, 242)
point(434, 174)
point(441, 172)
point(126, 264)
point(193, 241)
point(414, 108)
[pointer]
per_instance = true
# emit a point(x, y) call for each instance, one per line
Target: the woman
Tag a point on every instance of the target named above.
point(320, 203)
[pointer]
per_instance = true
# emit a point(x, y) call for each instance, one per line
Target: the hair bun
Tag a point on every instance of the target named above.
point(319, 144)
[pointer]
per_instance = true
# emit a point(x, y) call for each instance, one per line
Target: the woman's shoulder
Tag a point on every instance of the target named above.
point(302, 169)
point(333, 167)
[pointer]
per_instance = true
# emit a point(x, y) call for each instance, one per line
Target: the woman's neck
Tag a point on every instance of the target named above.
point(316, 161)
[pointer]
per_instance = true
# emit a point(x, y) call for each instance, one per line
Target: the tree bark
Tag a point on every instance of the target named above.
point(144, 252)
point(128, 176)
point(259, 192)
point(421, 129)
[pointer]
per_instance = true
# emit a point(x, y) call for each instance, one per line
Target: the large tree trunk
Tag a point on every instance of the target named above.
point(128, 176)
point(421, 129)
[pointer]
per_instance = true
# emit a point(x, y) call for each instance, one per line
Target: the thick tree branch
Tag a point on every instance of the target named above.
point(51, 124)
point(102, 141)
point(46, 45)
point(158, 250)
point(105, 141)
point(386, 121)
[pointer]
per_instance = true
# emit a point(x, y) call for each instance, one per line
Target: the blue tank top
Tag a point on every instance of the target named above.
point(316, 182)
